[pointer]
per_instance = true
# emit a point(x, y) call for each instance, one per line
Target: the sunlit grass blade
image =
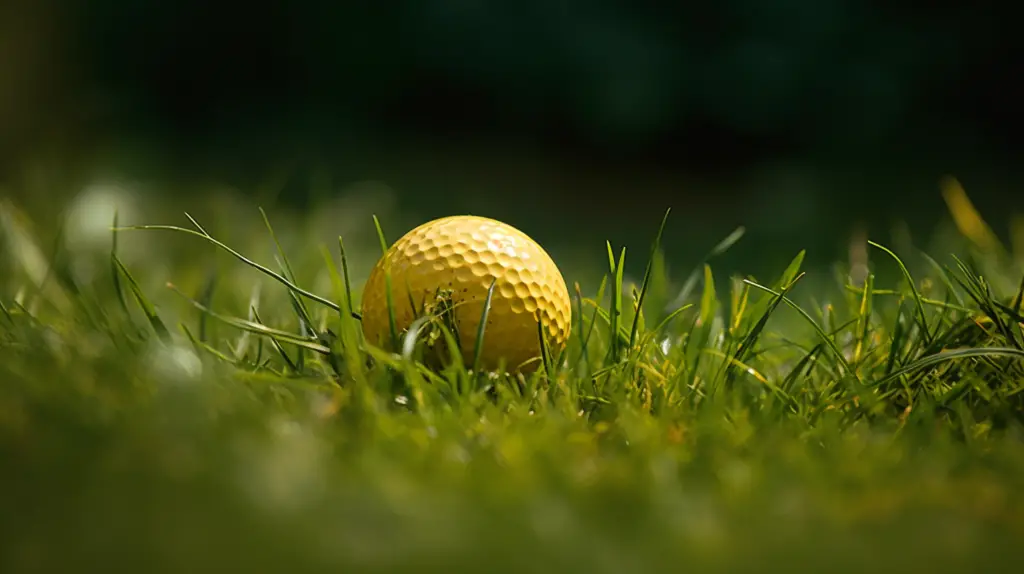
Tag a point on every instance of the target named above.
point(864, 312)
point(411, 335)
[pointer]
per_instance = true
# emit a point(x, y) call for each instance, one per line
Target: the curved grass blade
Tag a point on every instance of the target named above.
point(937, 358)
point(262, 269)
point(944, 305)
point(409, 341)
point(913, 288)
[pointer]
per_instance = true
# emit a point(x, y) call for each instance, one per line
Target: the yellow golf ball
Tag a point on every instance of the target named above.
point(463, 255)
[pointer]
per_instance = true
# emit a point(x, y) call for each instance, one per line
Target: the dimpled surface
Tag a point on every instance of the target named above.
point(464, 254)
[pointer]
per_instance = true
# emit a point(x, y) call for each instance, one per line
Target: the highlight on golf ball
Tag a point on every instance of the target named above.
point(461, 256)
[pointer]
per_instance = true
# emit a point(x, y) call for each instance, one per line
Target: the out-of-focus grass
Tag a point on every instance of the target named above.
point(234, 423)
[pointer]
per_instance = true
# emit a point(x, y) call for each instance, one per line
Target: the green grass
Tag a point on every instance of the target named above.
point(236, 420)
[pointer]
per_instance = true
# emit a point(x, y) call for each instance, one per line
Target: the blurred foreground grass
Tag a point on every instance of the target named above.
point(871, 422)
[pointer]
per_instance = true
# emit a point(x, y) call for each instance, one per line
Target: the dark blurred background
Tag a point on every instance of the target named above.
point(576, 120)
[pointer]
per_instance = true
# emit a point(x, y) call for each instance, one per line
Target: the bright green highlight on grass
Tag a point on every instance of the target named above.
point(718, 423)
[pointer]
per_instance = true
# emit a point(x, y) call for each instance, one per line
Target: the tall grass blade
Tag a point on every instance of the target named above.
point(147, 308)
point(645, 284)
point(479, 346)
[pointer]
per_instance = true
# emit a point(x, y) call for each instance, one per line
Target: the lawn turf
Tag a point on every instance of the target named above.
point(181, 410)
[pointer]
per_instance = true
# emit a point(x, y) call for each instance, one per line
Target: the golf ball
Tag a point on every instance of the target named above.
point(464, 255)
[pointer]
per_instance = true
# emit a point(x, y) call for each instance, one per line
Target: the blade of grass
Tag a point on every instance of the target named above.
point(147, 308)
point(206, 298)
point(821, 333)
point(389, 298)
point(479, 348)
point(645, 284)
point(864, 316)
point(615, 305)
point(114, 272)
point(579, 326)
point(597, 307)
point(242, 344)
point(289, 363)
point(348, 283)
point(544, 352)
point(262, 269)
point(255, 327)
point(348, 326)
point(944, 356)
point(923, 319)
point(745, 347)
point(288, 272)
point(203, 346)
point(695, 275)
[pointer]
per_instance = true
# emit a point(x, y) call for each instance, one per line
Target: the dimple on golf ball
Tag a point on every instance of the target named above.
point(464, 254)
